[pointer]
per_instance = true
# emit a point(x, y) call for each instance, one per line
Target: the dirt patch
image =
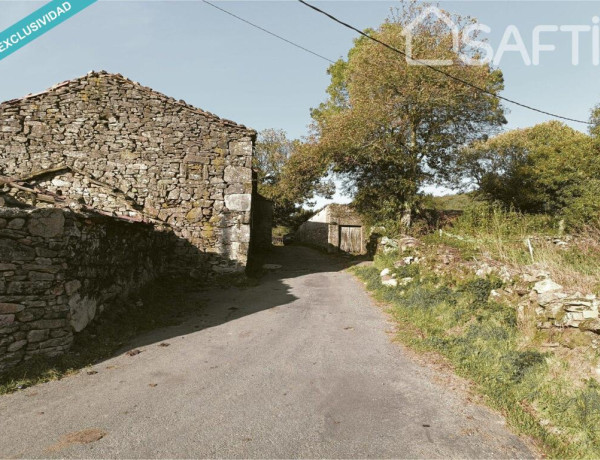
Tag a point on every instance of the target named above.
point(78, 437)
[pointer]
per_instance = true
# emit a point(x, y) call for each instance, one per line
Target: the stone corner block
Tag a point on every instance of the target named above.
point(238, 202)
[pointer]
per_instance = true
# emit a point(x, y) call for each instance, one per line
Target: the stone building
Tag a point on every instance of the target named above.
point(132, 184)
point(336, 227)
point(106, 143)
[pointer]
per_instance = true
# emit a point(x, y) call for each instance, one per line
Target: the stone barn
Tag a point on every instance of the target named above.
point(105, 185)
point(109, 144)
point(336, 227)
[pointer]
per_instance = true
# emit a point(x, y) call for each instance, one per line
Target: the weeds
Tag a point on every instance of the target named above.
point(486, 231)
point(481, 339)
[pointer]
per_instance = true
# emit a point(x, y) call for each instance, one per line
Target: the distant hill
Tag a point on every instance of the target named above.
point(458, 202)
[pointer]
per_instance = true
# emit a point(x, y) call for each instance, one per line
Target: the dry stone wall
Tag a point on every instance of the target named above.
point(106, 185)
point(104, 142)
point(59, 270)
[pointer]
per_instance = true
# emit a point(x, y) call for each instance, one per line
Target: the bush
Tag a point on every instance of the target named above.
point(547, 169)
point(496, 221)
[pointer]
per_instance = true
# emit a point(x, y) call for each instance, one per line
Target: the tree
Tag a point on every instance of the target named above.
point(272, 152)
point(548, 168)
point(388, 127)
point(287, 175)
point(305, 175)
point(595, 122)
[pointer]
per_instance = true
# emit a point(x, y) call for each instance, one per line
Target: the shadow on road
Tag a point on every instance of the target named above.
point(171, 309)
point(218, 305)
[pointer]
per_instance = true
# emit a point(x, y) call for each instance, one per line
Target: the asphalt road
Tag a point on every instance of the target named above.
point(299, 366)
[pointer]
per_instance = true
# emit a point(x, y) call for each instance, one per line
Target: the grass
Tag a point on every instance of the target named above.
point(484, 231)
point(163, 305)
point(280, 230)
point(483, 341)
point(457, 202)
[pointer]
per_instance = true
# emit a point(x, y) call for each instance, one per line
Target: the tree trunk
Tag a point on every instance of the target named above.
point(406, 219)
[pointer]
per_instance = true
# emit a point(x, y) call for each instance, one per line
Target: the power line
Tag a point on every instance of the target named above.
point(268, 32)
point(423, 63)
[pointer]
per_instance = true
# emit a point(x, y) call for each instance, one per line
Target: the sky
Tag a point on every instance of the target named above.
point(191, 51)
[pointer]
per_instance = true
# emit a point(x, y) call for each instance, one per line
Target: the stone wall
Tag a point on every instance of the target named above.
point(106, 143)
point(315, 231)
point(323, 229)
point(59, 270)
point(556, 307)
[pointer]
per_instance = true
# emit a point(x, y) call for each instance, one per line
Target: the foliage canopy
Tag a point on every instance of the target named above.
point(287, 176)
point(548, 168)
point(388, 127)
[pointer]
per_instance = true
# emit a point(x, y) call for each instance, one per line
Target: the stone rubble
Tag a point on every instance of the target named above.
point(554, 306)
point(389, 281)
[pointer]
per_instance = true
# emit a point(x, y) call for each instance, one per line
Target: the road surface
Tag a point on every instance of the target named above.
point(298, 366)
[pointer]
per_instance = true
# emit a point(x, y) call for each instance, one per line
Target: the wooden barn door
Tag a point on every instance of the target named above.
point(351, 239)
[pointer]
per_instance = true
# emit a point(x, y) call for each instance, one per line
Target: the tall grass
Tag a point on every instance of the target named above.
point(489, 231)
point(493, 221)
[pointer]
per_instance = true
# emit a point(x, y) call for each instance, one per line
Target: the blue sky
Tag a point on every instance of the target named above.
point(191, 51)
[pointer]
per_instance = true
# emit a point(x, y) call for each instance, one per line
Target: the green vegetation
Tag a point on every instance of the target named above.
point(457, 202)
point(281, 231)
point(483, 340)
point(490, 231)
point(547, 169)
point(389, 127)
point(282, 177)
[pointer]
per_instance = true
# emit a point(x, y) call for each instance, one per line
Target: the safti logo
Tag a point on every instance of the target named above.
point(442, 16)
point(512, 41)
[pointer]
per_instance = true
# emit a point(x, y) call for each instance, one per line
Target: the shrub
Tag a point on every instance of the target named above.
point(549, 168)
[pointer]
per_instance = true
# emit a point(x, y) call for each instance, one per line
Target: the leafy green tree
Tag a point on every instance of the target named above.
point(305, 175)
point(549, 168)
point(388, 127)
point(272, 152)
point(288, 176)
point(595, 121)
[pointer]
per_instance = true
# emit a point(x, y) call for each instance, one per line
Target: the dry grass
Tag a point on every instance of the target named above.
point(485, 232)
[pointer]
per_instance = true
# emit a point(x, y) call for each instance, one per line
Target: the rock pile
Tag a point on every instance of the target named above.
point(388, 245)
point(557, 308)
